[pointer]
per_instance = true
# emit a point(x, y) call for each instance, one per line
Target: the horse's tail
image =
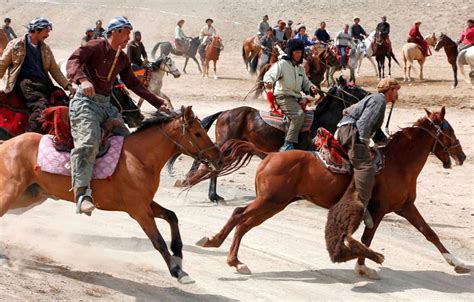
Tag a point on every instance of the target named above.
point(392, 55)
point(253, 65)
point(155, 48)
point(237, 154)
point(244, 56)
point(206, 123)
point(260, 86)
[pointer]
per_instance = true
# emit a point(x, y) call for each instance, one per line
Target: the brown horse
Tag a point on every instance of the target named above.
point(451, 49)
point(285, 177)
point(131, 188)
point(250, 49)
point(383, 50)
point(316, 65)
point(211, 53)
point(3, 41)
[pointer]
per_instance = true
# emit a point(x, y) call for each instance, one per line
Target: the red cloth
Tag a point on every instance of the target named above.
point(467, 36)
point(326, 141)
point(13, 114)
point(417, 38)
point(56, 122)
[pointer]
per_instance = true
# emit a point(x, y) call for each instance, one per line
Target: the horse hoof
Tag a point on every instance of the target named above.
point(461, 269)
point(363, 270)
point(179, 183)
point(215, 77)
point(186, 280)
point(380, 258)
point(202, 242)
point(221, 202)
point(243, 269)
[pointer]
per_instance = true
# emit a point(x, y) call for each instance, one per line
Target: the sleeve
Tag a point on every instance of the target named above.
point(369, 117)
point(363, 31)
point(306, 85)
point(260, 28)
point(412, 32)
point(132, 82)
point(308, 42)
point(273, 74)
point(461, 37)
point(74, 66)
point(351, 33)
point(13, 33)
point(56, 73)
point(6, 60)
point(143, 51)
point(129, 51)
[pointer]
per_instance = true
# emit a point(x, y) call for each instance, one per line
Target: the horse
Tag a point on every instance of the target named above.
point(131, 188)
point(250, 50)
point(412, 51)
point(363, 50)
point(167, 48)
point(334, 64)
point(245, 123)
point(466, 57)
point(451, 49)
point(383, 50)
point(3, 41)
point(211, 53)
point(285, 177)
point(315, 66)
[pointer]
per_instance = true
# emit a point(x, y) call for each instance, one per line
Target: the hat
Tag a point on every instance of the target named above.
point(384, 17)
point(418, 22)
point(294, 45)
point(270, 29)
point(209, 19)
point(39, 23)
point(89, 30)
point(281, 23)
point(385, 84)
point(118, 23)
point(300, 27)
point(290, 22)
point(266, 16)
point(355, 18)
point(180, 21)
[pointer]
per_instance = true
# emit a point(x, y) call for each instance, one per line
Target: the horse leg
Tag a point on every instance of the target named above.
point(195, 60)
point(422, 62)
point(212, 194)
point(215, 70)
point(410, 213)
point(455, 72)
point(146, 219)
point(172, 219)
point(389, 67)
point(185, 64)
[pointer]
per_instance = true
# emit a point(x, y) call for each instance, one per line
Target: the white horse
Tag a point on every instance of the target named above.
point(466, 57)
point(363, 50)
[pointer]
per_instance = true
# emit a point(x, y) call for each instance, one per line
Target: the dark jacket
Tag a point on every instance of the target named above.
point(383, 28)
point(322, 35)
point(357, 32)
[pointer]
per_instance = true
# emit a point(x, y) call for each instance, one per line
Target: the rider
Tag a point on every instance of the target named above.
point(322, 35)
point(356, 128)
point(263, 26)
point(207, 32)
point(357, 31)
point(466, 39)
point(416, 37)
point(8, 29)
point(25, 67)
point(99, 31)
point(279, 32)
point(301, 35)
point(266, 43)
point(289, 31)
point(87, 37)
point(180, 38)
point(94, 68)
point(343, 41)
point(136, 50)
point(289, 77)
point(383, 31)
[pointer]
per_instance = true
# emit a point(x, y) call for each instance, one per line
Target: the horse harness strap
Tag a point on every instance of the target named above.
point(436, 135)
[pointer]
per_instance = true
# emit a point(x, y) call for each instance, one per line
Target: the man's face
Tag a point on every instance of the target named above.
point(89, 34)
point(98, 24)
point(356, 21)
point(470, 24)
point(138, 37)
point(323, 25)
point(7, 23)
point(209, 23)
point(265, 19)
point(270, 33)
point(41, 34)
point(392, 95)
point(296, 56)
point(122, 36)
point(346, 28)
point(302, 31)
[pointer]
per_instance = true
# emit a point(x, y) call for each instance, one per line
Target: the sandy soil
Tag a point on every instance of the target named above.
point(49, 253)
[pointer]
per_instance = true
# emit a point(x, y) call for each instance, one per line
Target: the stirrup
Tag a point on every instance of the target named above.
point(80, 200)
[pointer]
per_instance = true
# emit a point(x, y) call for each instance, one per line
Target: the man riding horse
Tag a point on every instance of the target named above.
point(416, 37)
point(357, 31)
point(382, 32)
point(466, 39)
point(136, 50)
point(25, 67)
point(94, 68)
point(263, 26)
point(289, 77)
point(180, 38)
point(205, 35)
point(358, 125)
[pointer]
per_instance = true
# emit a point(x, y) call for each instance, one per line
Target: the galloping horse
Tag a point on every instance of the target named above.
point(383, 50)
point(250, 49)
point(132, 187)
point(466, 57)
point(245, 123)
point(284, 177)
point(451, 49)
point(411, 52)
point(211, 53)
point(167, 48)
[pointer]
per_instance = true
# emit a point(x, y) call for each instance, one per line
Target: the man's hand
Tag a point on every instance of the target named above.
point(72, 90)
point(314, 89)
point(88, 88)
point(268, 86)
point(145, 62)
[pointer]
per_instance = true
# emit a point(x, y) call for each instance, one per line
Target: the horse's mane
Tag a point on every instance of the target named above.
point(157, 120)
point(395, 137)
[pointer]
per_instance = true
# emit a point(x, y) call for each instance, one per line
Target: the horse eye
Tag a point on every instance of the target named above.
point(197, 134)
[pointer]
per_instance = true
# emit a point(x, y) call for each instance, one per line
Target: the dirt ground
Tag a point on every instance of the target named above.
point(50, 253)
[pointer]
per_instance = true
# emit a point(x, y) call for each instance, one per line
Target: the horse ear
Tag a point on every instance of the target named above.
point(442, 113)
point(428, 113)
point(188, 113)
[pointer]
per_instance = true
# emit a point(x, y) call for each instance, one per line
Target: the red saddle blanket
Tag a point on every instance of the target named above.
point(335, 158)
point(335, 49)
point(282, 122)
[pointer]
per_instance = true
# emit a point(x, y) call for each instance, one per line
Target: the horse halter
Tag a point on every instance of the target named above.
point(439, 131)
point(119, 105)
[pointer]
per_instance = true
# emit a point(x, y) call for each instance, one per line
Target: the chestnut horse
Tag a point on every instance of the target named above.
point(3, 41)
point(284, 177)
point(211, 53)
point(250, 49)
point(451, 50)
point(131, 188)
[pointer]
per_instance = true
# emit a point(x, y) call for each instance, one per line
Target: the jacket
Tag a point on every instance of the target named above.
point(288, 78)
point(13, 57)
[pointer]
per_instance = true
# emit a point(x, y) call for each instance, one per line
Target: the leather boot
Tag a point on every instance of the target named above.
point(369, 223)
point(83, 198)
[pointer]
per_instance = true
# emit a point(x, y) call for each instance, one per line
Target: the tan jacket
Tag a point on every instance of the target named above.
point(12, 60)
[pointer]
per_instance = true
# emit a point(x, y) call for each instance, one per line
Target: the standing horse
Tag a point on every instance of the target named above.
point(133, 185)
point(466, 57)
point(411, 52)
point(451, 49)
point(334, 64)
point(250, 50)
point(363, 50)
point(383, 50)
point(167, 48)
point(285, 177)
point(211, 53)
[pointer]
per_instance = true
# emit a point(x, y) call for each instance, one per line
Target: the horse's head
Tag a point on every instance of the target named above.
point(194, 141)
point(350, 92)
point(445, 145)
point(195, 41)
point(166, 64)
point(431, 39)
point(217, 42)
point(126, 106)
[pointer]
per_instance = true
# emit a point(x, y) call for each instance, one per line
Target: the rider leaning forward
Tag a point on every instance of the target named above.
point(358, 125)
point(94, 68)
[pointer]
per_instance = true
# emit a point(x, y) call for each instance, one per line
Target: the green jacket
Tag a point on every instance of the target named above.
point(288, 79)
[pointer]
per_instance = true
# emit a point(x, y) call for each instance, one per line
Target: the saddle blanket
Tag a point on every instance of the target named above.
point(346, 168)
point(282, 122)
point(52, 161)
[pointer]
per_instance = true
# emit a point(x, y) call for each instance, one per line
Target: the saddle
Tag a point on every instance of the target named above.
point(144, 75)
point(330, 152)
point(179, 47)
point(282, 123)
point(335, 50)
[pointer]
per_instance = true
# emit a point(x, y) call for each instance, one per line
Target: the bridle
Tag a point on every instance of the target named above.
point(185, 135)
point(439, 131)
point(119, 105)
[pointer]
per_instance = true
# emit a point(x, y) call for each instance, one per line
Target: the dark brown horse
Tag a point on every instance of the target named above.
point(167, 48)
point(383, 50)
point(316, 65)
point(245, 123)
point(451, 49)
point(284, 177)
point(132, 187)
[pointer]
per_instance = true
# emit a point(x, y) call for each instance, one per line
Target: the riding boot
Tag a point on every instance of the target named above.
point(83, 198)
point(368, 221)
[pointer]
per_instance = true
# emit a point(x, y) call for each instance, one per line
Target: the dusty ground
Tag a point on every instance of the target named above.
point(49, 253)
